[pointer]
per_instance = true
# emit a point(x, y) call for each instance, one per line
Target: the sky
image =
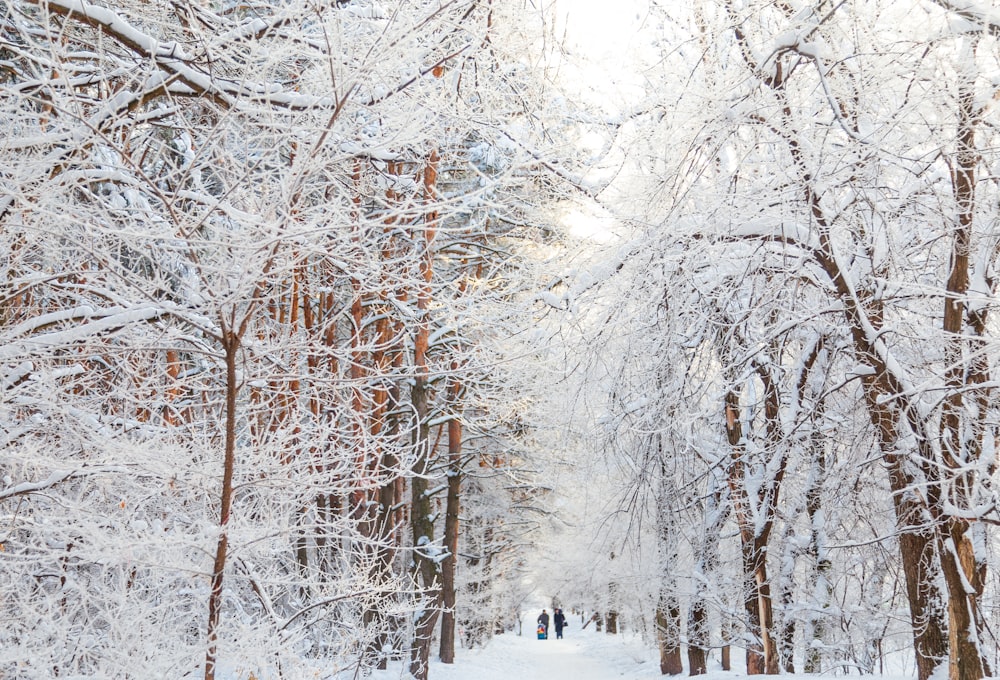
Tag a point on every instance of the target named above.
point(602, 44)
point(607, 40)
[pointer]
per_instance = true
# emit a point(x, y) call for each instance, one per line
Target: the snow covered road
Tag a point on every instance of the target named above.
point(587, 656)
point(580, 655)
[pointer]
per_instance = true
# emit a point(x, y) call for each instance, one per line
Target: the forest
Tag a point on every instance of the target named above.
point(336, 333)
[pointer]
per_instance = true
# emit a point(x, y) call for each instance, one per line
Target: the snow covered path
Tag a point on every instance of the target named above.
point(580, 655)
point(587, 656)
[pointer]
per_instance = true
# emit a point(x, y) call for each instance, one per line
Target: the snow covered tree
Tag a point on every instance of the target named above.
point(826, 177)
point(223, 223)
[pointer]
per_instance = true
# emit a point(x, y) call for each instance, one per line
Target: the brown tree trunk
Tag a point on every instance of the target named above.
point(762, 654)
point(916, 539)
point(726, 633)
point(385, 526)
point(611, 623)
point(697, 650)
point(668, 608)
point(786, 641)
point(716, 513)
point(919, 557)
point(384, 420)
point(668, 633)
point(772, 665)
point(422, 522)
point(734, 434)
point(762, 651)
point(451, 527)
point(231, 346)
point(961, 432)
point(421, 505)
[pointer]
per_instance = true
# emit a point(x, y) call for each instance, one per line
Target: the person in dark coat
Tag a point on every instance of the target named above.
point(560, 621)
point(543, 623)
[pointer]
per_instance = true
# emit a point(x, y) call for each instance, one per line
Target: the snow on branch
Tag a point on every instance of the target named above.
point(56, 477)
point(94, 322)
point(174, 59)
point(979, 16)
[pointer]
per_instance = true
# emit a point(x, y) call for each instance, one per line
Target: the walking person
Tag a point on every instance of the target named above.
point(560, 622)
point(543, 625)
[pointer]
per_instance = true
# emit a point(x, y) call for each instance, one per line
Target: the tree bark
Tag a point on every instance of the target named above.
point(451, 530)
point(716, 513)
point(422, 522)
point(611, 623)
point(726, 633)
point(786, 581)
point(697, 649)
point(821, 563)
point(762, 651)
point(421, 505)
point(888, 409)
point(668, 629)
point(961, 432)
point(668, 609)
point(919, 556)
point(231, 346)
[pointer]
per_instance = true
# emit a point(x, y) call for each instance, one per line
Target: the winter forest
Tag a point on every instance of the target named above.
point(334, 334)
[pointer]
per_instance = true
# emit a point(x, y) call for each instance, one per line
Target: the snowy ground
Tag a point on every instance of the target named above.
point(580, 655)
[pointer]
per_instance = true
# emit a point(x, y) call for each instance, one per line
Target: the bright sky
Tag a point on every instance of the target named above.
point(603, 42)
point(605, 38)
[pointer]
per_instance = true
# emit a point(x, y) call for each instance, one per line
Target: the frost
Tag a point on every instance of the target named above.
point(96, 322)
point(16, 374)
point(552, 300)
point(31, 487)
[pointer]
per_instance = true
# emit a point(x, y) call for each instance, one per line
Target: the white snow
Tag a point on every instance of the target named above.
point(580, 655)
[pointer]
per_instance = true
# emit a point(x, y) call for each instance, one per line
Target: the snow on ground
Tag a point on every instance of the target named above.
point(580, 655)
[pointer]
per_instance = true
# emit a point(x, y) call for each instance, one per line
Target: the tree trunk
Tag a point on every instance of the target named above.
point(421, 505)
point(965, 659)
point(422, 522)
point(668, 629)
point(772, 664)
point(668, 609)
point(302, 552)
point(715, 515)
point(231, 346)
point(961, 431)
point(821, 564)
point(726, 632)
point(381, 569)
point(451, 530)
point(786, 641)
point(919, 556)
point(697, 650)
point(762, 651)
point(388, 497)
